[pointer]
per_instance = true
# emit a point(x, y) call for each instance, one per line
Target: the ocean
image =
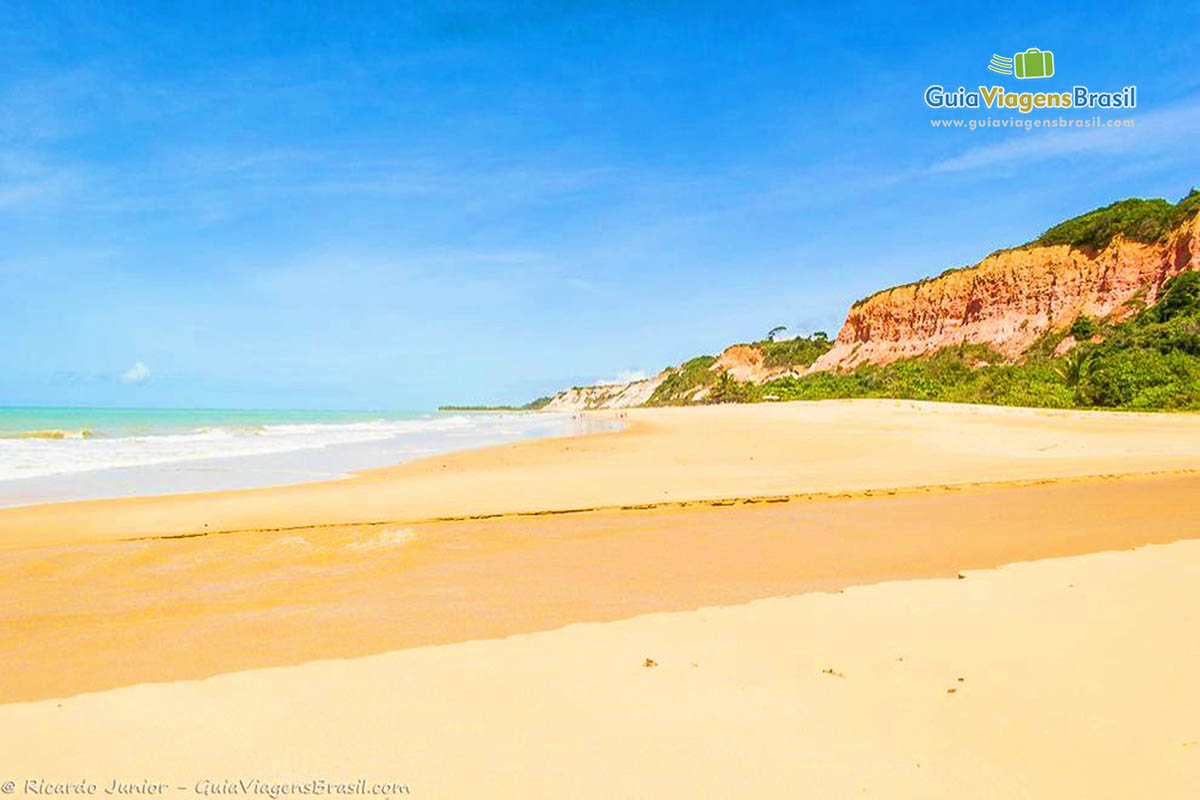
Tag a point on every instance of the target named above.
point(56, 454)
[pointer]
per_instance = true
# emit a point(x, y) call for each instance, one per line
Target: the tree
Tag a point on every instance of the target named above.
point(820, 336)
point(778, 329)
point(727, 389)
point(1073, 367)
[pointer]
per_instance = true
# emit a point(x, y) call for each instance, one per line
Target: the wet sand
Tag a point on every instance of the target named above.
point(88, 617)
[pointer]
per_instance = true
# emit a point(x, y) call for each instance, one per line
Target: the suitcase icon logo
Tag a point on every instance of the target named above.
point(1033, 63)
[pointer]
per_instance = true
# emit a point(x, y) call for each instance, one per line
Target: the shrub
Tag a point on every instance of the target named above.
point(1135, 218)
point(798, 352)
point(683, 381)
point(729, 390)
point(1181, 296)
point(1083, 328)
point(1139, 378)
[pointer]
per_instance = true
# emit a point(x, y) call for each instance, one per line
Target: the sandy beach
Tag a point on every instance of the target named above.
point(809, 582)
point(1064, 678)
point(613, 401)
point(668, 456)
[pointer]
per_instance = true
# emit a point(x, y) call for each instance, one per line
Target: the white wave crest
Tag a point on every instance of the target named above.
point(28, 457)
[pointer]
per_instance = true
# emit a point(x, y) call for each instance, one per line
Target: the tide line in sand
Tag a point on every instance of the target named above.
point(723, 502)
point(134, 611)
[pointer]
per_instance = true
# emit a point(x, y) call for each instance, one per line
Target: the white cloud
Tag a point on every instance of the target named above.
point(1155, 131)
point(624, 376)
point(138, 373)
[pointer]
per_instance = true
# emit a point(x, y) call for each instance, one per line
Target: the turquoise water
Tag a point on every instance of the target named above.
point(20, 422)
point(38, 442)
point(54, 454)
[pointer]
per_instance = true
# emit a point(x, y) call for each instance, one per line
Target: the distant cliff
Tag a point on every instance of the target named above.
point(1011, 298)
point(606, 395)
point(1102, 310)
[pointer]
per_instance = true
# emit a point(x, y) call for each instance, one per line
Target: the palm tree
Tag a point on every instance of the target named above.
point(1074, 365)
point(726, 390)
point(778, 329)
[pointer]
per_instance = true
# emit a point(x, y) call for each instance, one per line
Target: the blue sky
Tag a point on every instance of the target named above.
point(298, 206)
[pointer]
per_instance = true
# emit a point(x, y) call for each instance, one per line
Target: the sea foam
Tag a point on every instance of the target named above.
point(35, 453)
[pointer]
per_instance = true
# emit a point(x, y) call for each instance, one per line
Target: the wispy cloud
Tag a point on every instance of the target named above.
point(1152, 132)
point(27, 179)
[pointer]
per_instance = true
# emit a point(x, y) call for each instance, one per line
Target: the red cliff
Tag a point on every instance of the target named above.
point(1011, 298)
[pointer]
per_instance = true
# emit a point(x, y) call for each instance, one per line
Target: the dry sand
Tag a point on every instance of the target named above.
point(1078, 672)
point(1078, 680)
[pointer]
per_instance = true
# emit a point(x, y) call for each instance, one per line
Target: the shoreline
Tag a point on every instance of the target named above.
point(663, 458)
point(268, 455)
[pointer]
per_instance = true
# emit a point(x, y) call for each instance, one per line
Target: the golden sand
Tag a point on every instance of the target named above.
point(1060, 678)
point(669, 455)
point(111, 614)
point(1078, 673)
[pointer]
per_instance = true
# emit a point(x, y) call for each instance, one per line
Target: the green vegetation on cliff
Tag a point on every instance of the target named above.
point(799, 352)
point(962, 374)
point(1136, 219)
point(1151, 361)
point(685, 382)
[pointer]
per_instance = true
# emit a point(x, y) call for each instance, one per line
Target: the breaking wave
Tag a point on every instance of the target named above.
point(34, 453)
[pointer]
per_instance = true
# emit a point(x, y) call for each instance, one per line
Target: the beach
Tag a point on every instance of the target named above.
point(668, 456)
point(1077, 680)
point(806, 599)
point(52, 455)
point(599, 401)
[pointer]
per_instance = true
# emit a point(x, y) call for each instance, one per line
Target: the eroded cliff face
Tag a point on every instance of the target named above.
point(608, 395)
point(746, 363)
point(1010, 299)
